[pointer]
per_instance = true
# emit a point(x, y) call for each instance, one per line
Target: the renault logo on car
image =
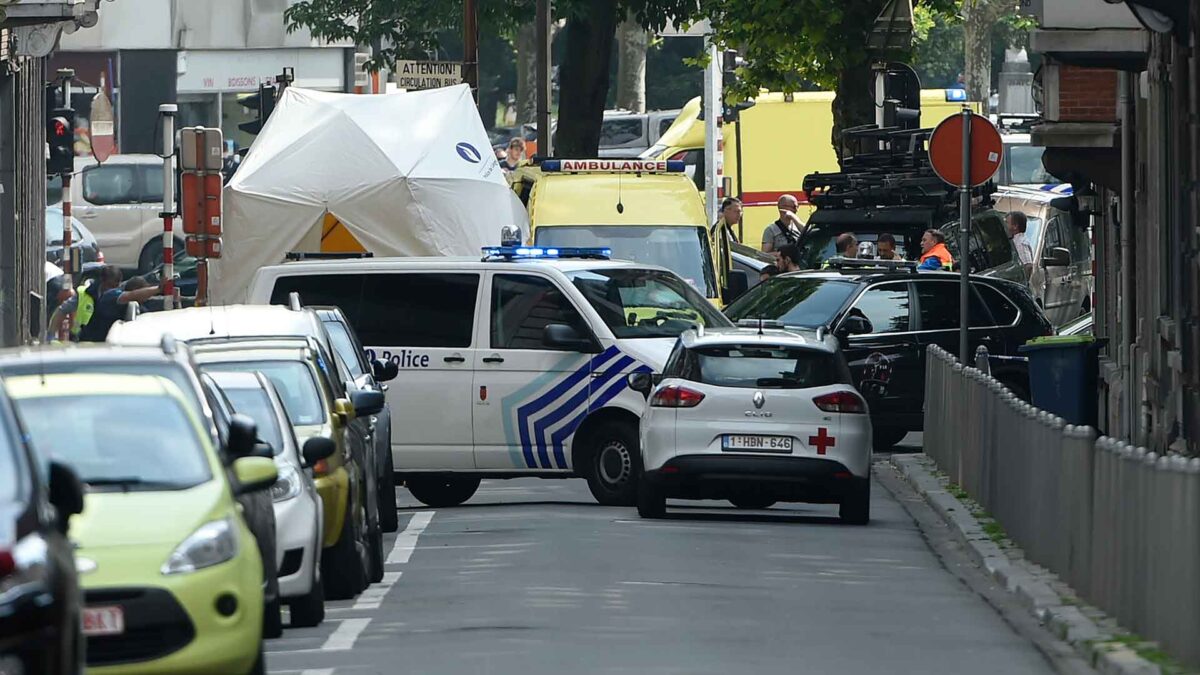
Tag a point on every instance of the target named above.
point(759, 399)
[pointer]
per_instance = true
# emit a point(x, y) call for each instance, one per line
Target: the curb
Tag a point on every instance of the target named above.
point(1032, 586)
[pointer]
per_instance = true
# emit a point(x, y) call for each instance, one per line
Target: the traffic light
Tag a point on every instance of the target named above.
point(261, 104)
point(60, 136)
point(730, 62)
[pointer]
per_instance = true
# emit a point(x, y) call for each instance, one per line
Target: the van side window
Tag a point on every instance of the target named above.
point(337, 290)
point(114, 184)
point(523, 305)
point(417, 310)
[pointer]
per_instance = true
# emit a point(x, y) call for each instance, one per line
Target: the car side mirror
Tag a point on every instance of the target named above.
point(318, 448)
point(367, 402)
point(243, 436)
point(1056, 257)
point(642, 383)
point(344, 409)
point(66, 493)
point(254, 474)
point(855, 325)
point(561, 336)
point(737, 282)
point(384, 371)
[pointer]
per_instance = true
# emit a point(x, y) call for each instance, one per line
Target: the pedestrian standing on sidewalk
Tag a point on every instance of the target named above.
point(1017, 224)
point(787, 229)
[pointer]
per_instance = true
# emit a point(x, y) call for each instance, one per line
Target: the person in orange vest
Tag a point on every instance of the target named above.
point(934, 254)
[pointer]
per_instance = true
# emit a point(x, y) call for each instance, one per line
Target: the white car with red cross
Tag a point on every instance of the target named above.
point(755, 415)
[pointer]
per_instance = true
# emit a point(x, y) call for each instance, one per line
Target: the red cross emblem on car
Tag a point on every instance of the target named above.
point(822, 441)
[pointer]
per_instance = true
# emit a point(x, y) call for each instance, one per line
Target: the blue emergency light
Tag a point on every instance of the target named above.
point(956, 96)
point(545, 253)
point(613, 165)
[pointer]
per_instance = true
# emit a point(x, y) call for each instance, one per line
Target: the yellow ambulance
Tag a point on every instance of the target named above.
point(644, 211)
point(783, 138)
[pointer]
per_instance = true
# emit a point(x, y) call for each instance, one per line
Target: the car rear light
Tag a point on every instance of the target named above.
point(675, 396)
point(841, 402)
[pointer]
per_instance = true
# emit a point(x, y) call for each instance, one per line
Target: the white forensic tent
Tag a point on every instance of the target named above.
point(408, 174)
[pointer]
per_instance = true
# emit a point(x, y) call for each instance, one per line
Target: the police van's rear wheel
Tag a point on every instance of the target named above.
point(612, 464)
point(442, 491)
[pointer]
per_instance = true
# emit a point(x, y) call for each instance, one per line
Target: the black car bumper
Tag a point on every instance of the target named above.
point(797, 479)
point(155, 626)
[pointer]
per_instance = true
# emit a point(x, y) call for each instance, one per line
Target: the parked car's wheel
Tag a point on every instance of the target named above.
point(273, 619)
point(612, 464)
point(651, 503)
point(856, 505)
point(260, 664)
point(342, 566)
point(752, 503)
point(442, 491)
point(389, 518)
point(886, 438)
point(308, 610)
point(375, 554)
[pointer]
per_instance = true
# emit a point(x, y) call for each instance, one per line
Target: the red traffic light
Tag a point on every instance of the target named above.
point(60, 127)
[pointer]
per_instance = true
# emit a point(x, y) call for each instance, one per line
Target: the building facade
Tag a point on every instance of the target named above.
point(1119, 96)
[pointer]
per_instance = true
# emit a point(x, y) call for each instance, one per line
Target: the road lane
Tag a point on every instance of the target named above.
point(532, 577)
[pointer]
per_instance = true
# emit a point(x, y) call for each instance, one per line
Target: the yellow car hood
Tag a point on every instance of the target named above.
point(139, 518)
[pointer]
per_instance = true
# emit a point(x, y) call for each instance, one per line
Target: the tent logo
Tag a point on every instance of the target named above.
point(469, 153)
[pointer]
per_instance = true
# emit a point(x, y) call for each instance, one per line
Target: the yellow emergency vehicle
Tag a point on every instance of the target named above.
point(783, 138)
point(644, 211)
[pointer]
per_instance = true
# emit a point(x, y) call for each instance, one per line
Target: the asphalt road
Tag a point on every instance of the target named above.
point(531, 577)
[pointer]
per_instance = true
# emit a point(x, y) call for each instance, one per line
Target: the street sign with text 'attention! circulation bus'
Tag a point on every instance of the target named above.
point(416, 75)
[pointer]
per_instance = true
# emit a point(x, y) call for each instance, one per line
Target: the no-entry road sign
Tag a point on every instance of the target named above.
point(946, 150)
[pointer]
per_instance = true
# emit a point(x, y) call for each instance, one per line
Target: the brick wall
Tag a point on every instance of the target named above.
point(1086, 94)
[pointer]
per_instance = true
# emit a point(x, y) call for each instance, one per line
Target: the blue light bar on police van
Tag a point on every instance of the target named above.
point(956, 96)
point(613, 165)
point(544, 253)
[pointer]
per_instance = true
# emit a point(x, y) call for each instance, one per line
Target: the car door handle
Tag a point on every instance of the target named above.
point(84, 214)
point(493, 359)
point(453, 359)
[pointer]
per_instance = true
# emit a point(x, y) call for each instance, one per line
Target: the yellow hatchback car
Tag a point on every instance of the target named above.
point(172, 577)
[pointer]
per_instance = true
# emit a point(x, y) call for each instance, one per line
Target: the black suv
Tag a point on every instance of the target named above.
point(894, 190)
point(886, 317)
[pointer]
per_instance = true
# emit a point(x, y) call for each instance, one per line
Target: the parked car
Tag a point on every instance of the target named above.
point(1062, 280)
point(755, 414)
point(886, 317)
point(169, 584)
point(1021, 163)
point(368, 376)
point(120, 202)
point(41, 605)
point(82, 239)
point(628, 134)
point(298, 508)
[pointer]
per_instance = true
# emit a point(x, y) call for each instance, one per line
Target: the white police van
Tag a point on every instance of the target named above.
point(510, 365)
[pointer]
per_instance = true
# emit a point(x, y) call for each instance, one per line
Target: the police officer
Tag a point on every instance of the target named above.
point(98, 304)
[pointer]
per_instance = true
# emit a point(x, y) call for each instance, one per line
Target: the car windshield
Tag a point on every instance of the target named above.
point(758, 367)
point(796, 301)
point(292, 379)
point(177, 373)
point(1025, 166)
point(256, 404)
point(344, 346)
point(641, 303)
point(135, 441)
point(683, 250)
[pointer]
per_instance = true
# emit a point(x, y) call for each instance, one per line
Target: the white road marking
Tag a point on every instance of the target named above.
point(406, 541)
point(372, 598)
point(343, 638)
point(317, 671)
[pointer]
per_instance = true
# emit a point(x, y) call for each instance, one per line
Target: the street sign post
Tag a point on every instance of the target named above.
point(416, 75)
point(103, 140)
point(965, 151)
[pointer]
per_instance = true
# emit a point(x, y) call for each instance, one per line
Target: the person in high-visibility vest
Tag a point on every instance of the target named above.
point(934, 254)
point(98, 304)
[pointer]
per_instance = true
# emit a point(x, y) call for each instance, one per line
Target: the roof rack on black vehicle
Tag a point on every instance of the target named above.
point(872, 264)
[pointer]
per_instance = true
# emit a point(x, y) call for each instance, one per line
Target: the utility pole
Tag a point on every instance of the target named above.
point(543, 21)
point(471, 48)
point(65, 75)
point(167, 112)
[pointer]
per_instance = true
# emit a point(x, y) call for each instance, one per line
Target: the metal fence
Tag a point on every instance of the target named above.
point(1120, 524)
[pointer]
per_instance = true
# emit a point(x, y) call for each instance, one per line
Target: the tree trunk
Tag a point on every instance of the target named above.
point(583, 79)
point(853, 103)
point(632, 41)
point(978, 18)
point(526, 73)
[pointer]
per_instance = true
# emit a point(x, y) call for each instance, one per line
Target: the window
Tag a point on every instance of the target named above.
point(886, 307)
point(293, 380)
point(939, 303)
point(757, 367)
point(683, 250)
point(1002, 309)
point(344, 345)
point(641, 303)
point(113, 184)
point(394, 310)
point(796, 301)
point(990, 245)
point(664, 124)
point(1078, 241)
point(1054, 237)
point(151, 188)
point(523, 305)
point(621, 131)
point(11, 478)
point(255, 404)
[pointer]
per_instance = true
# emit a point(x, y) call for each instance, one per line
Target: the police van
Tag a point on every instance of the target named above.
point(513, 364)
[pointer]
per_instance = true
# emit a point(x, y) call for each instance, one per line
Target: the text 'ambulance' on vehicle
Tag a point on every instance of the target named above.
point(647, 211)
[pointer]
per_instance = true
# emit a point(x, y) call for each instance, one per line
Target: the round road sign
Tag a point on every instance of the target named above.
point(946, 150)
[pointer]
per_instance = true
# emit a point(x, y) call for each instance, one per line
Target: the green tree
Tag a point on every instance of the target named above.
point(790, 42)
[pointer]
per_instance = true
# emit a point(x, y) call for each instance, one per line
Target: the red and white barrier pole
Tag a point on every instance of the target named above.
point(167, 113)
